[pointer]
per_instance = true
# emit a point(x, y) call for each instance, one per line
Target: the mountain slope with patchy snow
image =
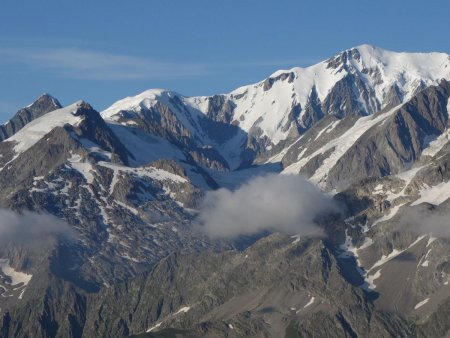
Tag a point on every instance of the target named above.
point(368, 125)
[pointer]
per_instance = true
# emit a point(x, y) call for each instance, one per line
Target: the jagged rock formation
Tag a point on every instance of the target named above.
point(44, 104)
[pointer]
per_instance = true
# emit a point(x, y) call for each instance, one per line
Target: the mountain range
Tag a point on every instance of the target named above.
point(101, 209)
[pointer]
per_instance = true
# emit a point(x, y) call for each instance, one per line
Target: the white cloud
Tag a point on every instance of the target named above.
point(89, 64)
point(31, 229)
point(424, 220)
point(287, 204)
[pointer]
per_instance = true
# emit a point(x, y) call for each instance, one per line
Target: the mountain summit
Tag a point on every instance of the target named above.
point(44, 104)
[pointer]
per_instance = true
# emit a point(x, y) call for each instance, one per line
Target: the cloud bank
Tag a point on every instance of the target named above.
point(287, 204)
point(31, 229)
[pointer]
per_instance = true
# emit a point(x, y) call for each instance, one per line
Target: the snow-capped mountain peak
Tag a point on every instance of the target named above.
point(361, 80)
point(38, 128)
point(145, 99)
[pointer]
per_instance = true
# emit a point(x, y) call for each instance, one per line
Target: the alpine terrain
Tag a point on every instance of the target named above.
point(101, 229)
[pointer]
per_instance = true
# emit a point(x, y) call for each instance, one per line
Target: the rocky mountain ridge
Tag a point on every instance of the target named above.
point(368, 126)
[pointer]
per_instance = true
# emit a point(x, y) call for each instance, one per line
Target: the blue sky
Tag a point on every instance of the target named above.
point(102, 51)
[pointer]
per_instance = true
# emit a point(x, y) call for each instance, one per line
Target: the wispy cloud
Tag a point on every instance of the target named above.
point(288, 63)
point(86, 64)
point(92, 64)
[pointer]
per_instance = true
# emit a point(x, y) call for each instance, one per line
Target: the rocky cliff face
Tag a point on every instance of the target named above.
point(340, 152)
point(44, 104)
point(369, 127)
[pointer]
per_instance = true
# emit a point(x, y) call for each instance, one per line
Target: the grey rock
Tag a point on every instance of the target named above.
point(43, 105)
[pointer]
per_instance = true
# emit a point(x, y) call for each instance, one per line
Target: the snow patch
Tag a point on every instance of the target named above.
point(296, 239)
point(418, 305)
point(85, 168)
point(434, 195)
point(21, 294)
point(370, 280)
point(367, 242)
point(154, 327)
point(151, 172)
point(126, 206)
point(425, 264)
point(311, 301)
point(183, 310)
point(431, 240)
point(349, 250)
point(16, 277)
point(378, 189)
point(34, 131)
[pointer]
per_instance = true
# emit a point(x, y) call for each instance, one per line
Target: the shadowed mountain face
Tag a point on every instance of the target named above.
point(368, 127)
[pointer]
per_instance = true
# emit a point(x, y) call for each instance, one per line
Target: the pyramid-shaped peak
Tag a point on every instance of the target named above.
point(45, 102)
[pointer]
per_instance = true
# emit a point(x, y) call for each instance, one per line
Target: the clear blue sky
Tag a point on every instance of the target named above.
point(101, 51)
